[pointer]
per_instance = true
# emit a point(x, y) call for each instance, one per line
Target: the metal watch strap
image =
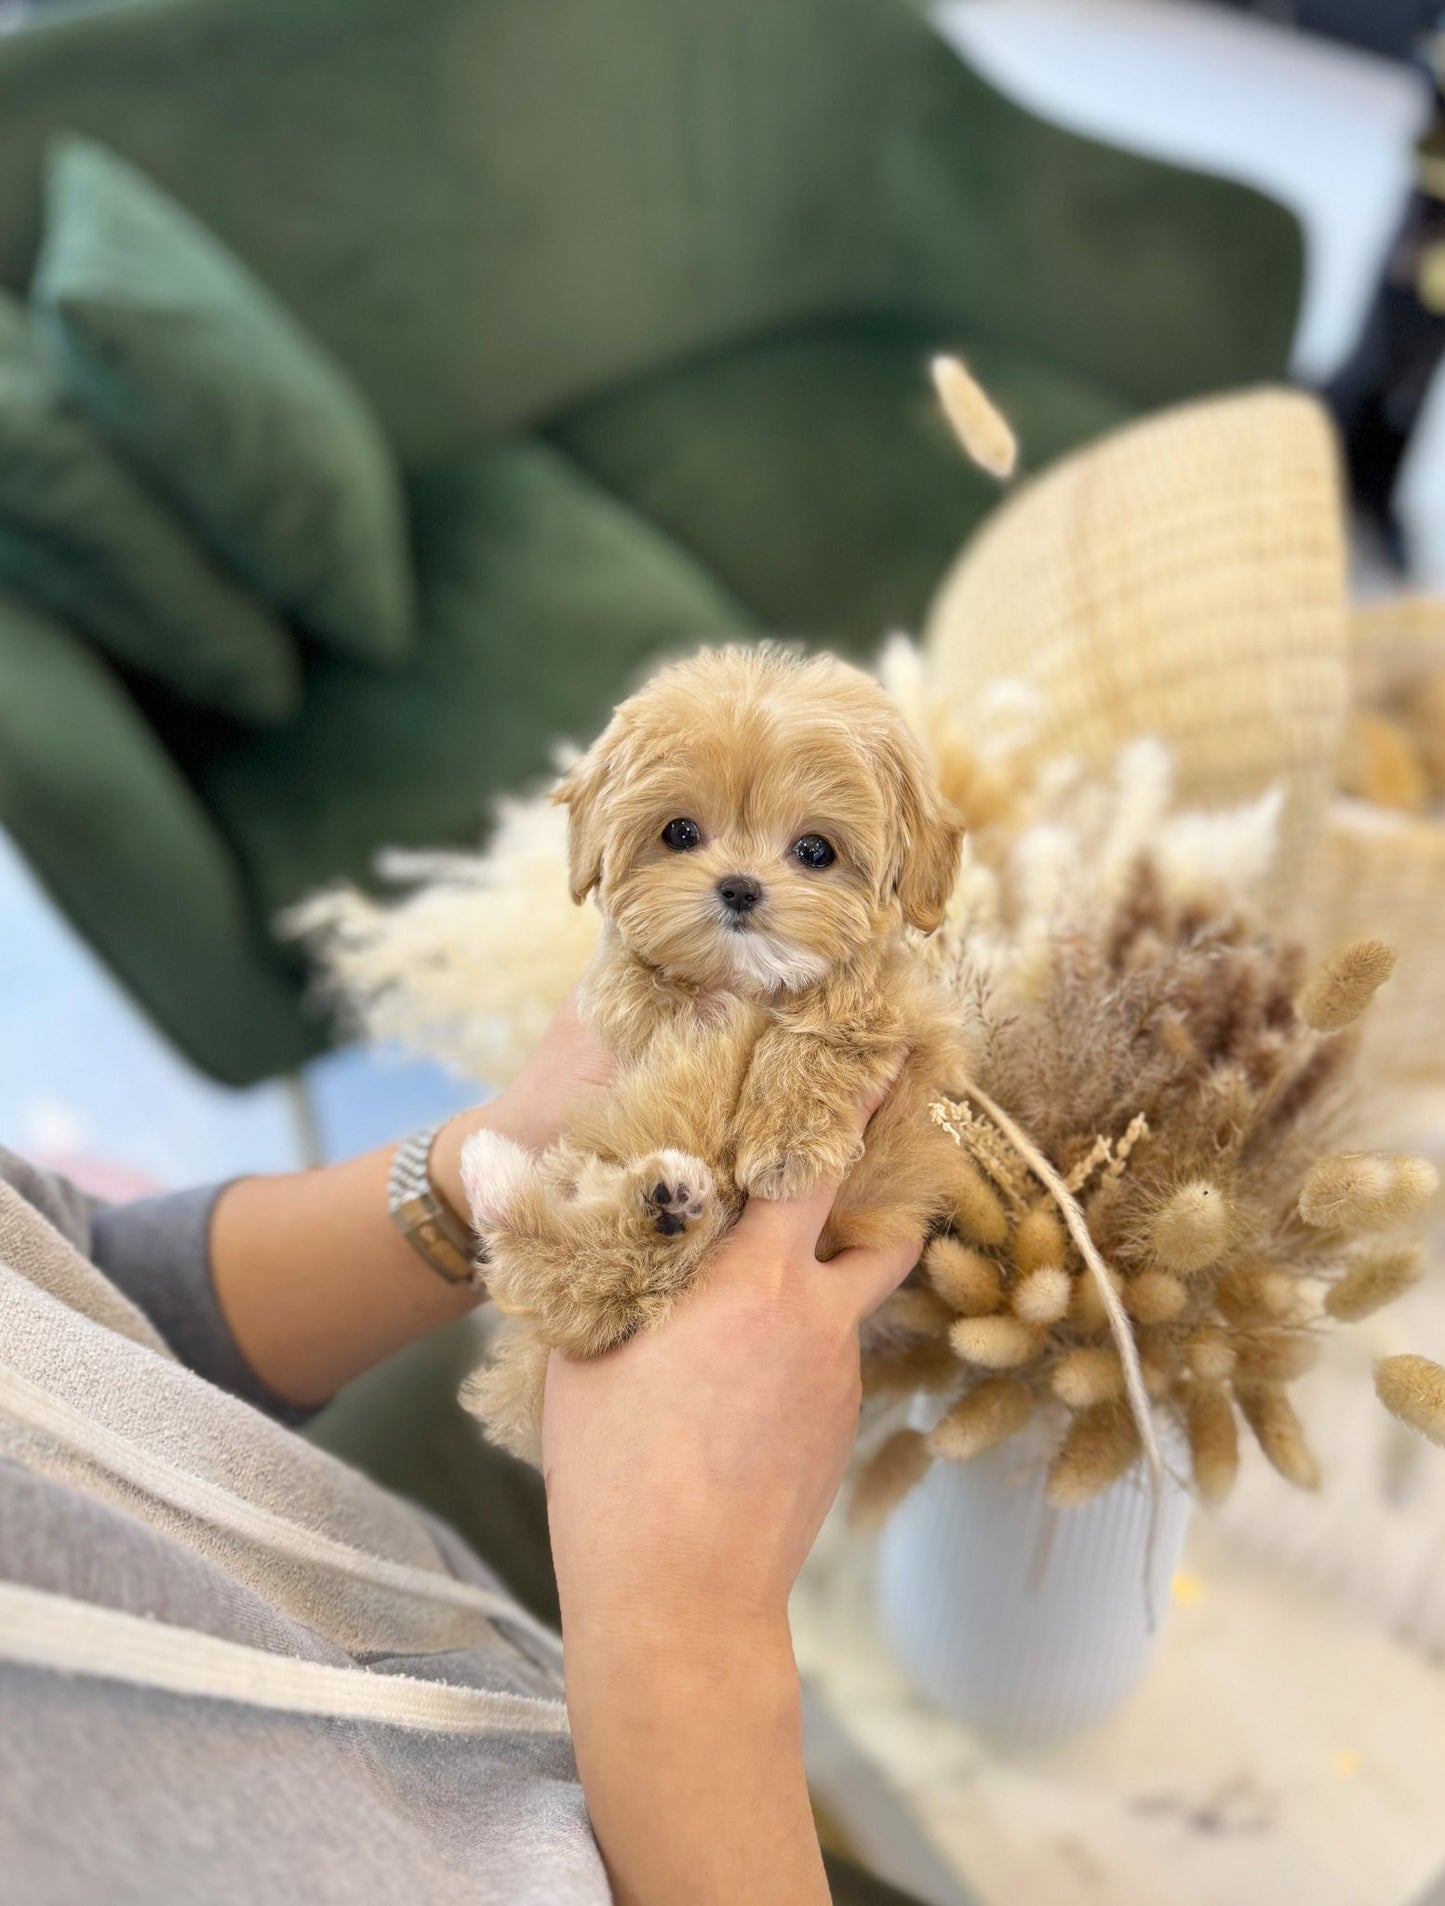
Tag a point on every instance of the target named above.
point(429, 1224)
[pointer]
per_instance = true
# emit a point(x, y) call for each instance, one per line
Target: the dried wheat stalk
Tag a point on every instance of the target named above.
point(1189, 1084)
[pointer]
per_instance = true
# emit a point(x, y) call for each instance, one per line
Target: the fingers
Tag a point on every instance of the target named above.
point(866, 1275)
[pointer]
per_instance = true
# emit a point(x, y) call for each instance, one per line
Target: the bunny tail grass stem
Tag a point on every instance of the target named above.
point(1122, 1331)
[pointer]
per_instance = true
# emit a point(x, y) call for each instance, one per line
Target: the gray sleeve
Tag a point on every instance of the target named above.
point(55, 1198)
point(157, 1252)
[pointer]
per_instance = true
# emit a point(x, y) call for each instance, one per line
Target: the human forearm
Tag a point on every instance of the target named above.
point(689, 1746)
point(316, 1282)
point(687, 1474)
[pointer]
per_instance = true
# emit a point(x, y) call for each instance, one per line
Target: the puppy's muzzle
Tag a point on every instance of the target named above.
point(739, 893)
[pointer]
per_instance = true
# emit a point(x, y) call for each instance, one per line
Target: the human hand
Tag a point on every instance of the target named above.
point(568, 1063)
point(687, 1475)
point(689, 1471)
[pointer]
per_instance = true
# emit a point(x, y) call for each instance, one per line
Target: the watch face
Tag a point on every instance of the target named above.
point(430, 1233)
point(438, 1248)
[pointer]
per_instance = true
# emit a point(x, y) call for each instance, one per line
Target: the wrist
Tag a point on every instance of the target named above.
point(675, 1637)
point(655, 1673)
point(691, 1761)
point(446, 1153)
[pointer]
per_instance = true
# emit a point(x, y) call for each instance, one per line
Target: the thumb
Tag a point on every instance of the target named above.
point(867, 1275)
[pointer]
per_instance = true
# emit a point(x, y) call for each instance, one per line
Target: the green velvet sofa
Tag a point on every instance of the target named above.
point(643, 295)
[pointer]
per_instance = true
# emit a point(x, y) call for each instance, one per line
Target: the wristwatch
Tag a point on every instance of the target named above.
point(432, 1227)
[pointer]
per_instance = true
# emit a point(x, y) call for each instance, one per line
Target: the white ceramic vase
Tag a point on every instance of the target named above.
point(1027, 1623)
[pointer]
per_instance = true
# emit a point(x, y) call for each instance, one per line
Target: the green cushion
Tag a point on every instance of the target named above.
point(79, 535)
point(813, 472)
point(238, 418)
point(540, 598)
point(487, 209)
point(121, 843)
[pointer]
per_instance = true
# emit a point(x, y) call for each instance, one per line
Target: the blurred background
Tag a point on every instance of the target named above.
point(1319, 107)
point(382, 382)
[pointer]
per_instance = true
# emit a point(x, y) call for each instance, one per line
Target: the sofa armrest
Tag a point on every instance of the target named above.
point(1157, 281)
point(120, 842)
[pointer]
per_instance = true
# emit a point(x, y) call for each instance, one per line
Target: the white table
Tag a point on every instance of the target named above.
point(1281, 1750)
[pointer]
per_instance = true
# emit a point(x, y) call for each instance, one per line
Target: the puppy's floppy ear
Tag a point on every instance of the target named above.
point(580, 794)
point(929, 833)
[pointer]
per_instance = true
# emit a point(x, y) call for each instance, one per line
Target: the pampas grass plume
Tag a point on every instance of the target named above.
point(1159, 1371)
point(991, 1412)
point(977, 423)
point(916, 1311)
point(1098, 1447)
point(1086, 1376)
point(1213, 1441)
point(1275, 1356)
point(1413, 1388)
point(1155, 1297)
point(1374, 1280)
point(965, 1279)
point(1190, 1230)
point(1250, 1294)
point(887, 1476)
point(996, 1343)
point(1277, 1430)
point(1210, 1354)
point(1366, 1191)
point(901, 1370)
point(1039, 1240)
point(977, 1208)
point(1343, 987)
point(1043, 1296)
point(1086, 1311)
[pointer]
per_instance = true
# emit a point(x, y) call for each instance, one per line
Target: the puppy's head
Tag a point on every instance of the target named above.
point(751, 819)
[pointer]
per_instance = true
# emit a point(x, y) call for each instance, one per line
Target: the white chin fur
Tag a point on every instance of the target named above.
point(763, 962)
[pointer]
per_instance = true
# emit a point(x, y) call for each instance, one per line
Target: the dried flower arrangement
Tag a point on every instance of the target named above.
point(1186, 1088)
point(1192, 1087)
point(1381, 856)
point(1393, 752)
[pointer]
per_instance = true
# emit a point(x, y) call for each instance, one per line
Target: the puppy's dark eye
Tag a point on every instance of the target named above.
point(681, 835)
point(814, 851)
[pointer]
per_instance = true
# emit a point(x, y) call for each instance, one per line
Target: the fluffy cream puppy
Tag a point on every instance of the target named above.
point(765, 842)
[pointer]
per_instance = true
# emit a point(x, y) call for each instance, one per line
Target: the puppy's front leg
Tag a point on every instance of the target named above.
point(797, 1118)
point(589, 1250)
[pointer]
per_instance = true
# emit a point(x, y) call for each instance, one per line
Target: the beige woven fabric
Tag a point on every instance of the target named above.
point(1381, 871)
point(1183, 577)
point(1393, 640)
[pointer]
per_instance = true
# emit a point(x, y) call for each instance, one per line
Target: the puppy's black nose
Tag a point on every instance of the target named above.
point(739, 893)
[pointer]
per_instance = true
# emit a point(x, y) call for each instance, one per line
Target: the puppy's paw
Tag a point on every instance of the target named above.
point(777, 1177)
point(675, 1189)
point(768, 1173)
point(495, 1171)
